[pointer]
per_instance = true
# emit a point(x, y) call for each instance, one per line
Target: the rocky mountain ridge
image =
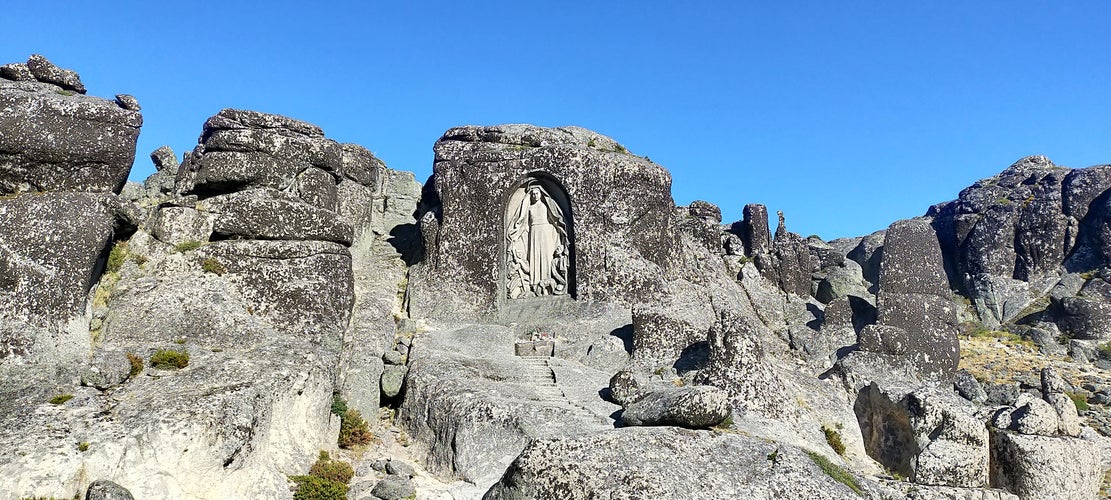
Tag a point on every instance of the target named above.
point(538, 320)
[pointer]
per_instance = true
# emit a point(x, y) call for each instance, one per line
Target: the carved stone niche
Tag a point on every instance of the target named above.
point(538, 257)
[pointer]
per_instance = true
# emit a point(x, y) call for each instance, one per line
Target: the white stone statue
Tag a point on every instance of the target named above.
point(537, 246)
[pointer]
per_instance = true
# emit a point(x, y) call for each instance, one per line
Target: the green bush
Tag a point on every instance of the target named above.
point(60, 399)
point(136, 364)
point(166, 359)
point(327, 480)
point(1105, 349)
point(335, 470)
point(213, 266)
point(117, 256)
point(353, 430)
point(83, 446)
point(318, 488)
point(1079, 400)
point(188, 246)
point(836, 472)
point(339, 406)
point(833, 437)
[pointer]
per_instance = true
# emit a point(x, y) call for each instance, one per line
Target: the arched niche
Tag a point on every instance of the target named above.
point(538, 258)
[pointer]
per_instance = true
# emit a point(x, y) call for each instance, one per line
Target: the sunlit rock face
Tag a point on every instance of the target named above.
point(602, 220)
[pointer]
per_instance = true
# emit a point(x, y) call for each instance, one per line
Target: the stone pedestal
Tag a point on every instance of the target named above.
point(545, 348)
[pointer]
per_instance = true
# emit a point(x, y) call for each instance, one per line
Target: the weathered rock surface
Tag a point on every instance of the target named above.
point(268, 214)
point(913, 301)
point(476, 406)
point(698, 464)
point(52, 139)
point(694, 407)
point(1040, 466)
point(1007, 237)
point(107, 490)
point(621, 235)
point(952, 439)
point(243, 149)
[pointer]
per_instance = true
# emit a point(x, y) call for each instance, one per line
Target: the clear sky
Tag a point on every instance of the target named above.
point(846, 115)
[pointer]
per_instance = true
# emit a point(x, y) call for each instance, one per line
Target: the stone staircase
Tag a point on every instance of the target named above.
point(542, 379)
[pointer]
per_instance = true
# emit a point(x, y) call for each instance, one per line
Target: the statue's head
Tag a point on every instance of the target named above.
point(535, 193)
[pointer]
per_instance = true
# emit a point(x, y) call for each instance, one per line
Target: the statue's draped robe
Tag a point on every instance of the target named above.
point(542, 242)
point(537, 230)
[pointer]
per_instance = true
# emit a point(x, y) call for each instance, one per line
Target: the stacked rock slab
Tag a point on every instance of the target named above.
point(259, 198)
point(619, 220)
point(1035, 448)
point(916, 317)
point(63, 155)
point(53, 138)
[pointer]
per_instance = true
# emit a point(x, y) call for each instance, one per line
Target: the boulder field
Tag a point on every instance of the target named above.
point(275, 314)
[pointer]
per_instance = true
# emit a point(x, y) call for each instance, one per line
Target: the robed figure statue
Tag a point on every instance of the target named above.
point(536, 246)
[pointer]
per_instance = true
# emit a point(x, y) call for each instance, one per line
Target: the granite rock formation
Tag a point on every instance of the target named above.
point(538, 320)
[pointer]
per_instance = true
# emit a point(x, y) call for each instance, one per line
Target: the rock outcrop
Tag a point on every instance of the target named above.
point(536, 315)
point(706, 465)
point(916, 315)
point(620, 238)
point(55, 138)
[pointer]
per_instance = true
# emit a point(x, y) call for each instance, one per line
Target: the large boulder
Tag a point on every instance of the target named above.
point(50, 262)
point(1033, 466)
point(671, 463)
point(614, 219)
point(268, 214)
point(694, 407)
point(53, 139)
point(737, 364)
point(952, 440)
point(914, 301)
point(301, 287)
point(930, 435)
point(242, 149)
point(48, 266)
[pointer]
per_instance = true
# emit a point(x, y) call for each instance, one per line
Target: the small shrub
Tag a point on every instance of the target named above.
point(835, 471)
point(83, 446)
point(117, 256)
point(166, 359)
point(1105, 349)
point(318, 488)
point(60, 399)
point(339, 406)
point(1079, 400)
point(334, 470)
point(213, 266)
point(136, 364)
point(188, 246)
point(64, 92)
point(353, 430)
point(620, 149)
point(833, 437)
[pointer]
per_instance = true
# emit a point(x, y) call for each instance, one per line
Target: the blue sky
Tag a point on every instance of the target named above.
point(845, 115)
